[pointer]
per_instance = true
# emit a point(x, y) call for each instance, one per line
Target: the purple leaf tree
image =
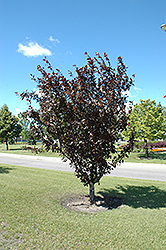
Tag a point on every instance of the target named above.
point(86, 113)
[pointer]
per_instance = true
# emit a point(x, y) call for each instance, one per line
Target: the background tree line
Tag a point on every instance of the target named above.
point(12, 127)
point(148, 119)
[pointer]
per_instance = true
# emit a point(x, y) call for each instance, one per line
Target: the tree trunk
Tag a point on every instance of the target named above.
point(146, 148)
point(91, 193)
point(7, 147)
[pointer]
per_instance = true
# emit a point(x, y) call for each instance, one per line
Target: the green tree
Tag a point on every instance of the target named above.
point(25, 124)
point(86, 113)
point(26, 132)
point(148, 121)
point(9, 125)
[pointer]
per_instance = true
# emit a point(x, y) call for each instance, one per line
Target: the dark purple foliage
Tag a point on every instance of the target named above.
point(85, 113)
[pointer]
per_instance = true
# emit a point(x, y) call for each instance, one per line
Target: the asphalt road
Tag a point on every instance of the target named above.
point(127, 169)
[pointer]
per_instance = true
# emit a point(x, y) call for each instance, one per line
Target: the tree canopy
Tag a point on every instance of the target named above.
point(9, 125)
point(86, 113)
point(148, 120)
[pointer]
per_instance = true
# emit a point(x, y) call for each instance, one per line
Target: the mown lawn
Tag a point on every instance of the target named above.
point(32, 217)
point(17, 149)
point(156, 158)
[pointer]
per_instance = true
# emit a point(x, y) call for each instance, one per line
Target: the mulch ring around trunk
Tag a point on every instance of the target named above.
point(81, 203)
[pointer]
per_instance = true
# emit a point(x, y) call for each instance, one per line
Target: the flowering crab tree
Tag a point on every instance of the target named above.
point(86, 113)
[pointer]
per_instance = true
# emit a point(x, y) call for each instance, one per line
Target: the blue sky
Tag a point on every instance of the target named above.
point(64, 29)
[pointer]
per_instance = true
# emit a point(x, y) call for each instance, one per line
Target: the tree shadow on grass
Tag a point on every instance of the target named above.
point(15, 149)
point(138, 196)
point(5, 170)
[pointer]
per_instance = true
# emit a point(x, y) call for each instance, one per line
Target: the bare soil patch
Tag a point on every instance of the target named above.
point(81, 203)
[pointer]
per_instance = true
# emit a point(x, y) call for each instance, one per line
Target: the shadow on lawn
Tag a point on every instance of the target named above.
point(138, 196)
point(5, 170)
point(15, 149)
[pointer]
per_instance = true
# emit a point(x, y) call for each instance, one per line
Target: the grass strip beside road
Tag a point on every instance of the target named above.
point(155, 157)
point(17, 149)
point(32, 216)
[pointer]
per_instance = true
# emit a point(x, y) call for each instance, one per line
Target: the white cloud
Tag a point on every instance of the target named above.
point(33, 49)
point(126, 93)
point(53, 39)
point(18, 111)
point(37, 92)
point(137, 89)
point(69, 52)
point(129, 106)
point(131, 94)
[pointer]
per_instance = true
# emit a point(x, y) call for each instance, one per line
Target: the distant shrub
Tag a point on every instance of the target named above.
point(139, 145)
point(158, 144)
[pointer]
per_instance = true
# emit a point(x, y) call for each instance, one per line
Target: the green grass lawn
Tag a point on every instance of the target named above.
point(156, 158)
point(32, 217)
point(17, 149)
